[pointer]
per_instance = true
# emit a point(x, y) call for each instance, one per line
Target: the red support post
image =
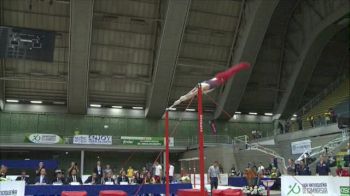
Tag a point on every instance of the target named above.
point(201, 139)
point(167, 167)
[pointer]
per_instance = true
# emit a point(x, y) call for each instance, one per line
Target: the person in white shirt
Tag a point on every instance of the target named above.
point(171, 173)
point(157, 172)
point(261, 168)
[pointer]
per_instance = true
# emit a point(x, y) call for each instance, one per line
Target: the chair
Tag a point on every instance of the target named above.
point(74, 193)
point(189, 192)
point(113, 193)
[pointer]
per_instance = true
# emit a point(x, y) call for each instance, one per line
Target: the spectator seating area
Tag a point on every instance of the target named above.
point(339, 96)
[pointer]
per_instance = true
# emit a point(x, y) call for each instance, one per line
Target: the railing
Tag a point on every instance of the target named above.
point(313, 102)
point(178, 141)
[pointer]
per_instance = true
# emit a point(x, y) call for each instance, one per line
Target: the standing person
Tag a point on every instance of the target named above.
point(303, 169)
point(157, 172)
point(130, 172)
point(333, 115)
point(40, 166)
point(322, 167)
point(291, 167)
point(171, 172)
point(107, 169)
point(98, 169)
point(214, 175)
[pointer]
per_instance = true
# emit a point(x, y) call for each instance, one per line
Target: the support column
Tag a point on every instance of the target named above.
point(82, 159)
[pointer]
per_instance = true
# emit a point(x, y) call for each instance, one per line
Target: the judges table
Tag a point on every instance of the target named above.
point(93, 190)
point(241, 182)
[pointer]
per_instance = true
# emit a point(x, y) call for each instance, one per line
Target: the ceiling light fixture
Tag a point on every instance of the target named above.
point(137, 108)
point(190, 110)
point(268, 114)
point(36, 102)
point(117, 106)
point(12, 101)
point(253, 113)
point(238, 112)
point(95, 105)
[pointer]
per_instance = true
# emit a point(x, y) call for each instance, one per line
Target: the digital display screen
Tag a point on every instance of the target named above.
point(22, 43)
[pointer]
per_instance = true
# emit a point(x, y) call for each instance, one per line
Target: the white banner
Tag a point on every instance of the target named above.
point(39, 138)
point(12, 188)
point(223, 179)
point(92, 139)
point(314, 185)
point(300, 147)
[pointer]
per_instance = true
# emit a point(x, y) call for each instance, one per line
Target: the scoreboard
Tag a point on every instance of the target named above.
point(23, 43)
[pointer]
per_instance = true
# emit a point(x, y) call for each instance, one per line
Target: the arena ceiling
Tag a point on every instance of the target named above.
point(147, 53)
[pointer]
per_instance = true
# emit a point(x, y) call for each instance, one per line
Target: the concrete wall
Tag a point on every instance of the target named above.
point(222, 154)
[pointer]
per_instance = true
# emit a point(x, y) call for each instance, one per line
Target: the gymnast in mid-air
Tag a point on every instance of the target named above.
point(209, 85)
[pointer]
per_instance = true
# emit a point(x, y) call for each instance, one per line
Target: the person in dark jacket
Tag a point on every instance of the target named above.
point(93, 179)
point(74, 177)
point(42, 179)
point(23, 177)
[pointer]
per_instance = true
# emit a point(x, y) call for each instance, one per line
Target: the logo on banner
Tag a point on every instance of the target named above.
point(39, 138)
point(295, 189)
point(92, 139)
point(344, 190)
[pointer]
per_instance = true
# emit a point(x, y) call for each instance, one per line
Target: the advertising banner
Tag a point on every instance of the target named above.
point(314, 185)
point(145, 141)
point(12, 188)
point(40, 138)
point(300, 147)
point(93, 139)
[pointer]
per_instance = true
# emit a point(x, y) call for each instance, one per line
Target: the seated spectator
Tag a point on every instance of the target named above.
point(3, 171)
point(123, 178)
point(59, 178)
point(41, 165)
point(341, 171)
point(42, 179)
point(121, 171)
point(137, 178)
point(261, 168)
point(107, 169)
point(73, 165)
point(250, 175)
point(23, 177)
point(233, 171)
point(93, 179)
point(303, 170)
point(73, 177)
point(108, 179)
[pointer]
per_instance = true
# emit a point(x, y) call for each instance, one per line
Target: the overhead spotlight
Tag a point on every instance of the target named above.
point(117, 106)
point(95, 105)
point(253, 113)
point(238, 112)
point(268, 114)
point(234, 117)
point(36, 102)
point(12, 101)
point(190, 110)
point(58, 102)
point(137, 108)
point(294, 115)
point(172, 109)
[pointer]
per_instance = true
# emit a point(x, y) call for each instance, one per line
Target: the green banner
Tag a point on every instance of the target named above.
point(42, 138)
point(145, 141)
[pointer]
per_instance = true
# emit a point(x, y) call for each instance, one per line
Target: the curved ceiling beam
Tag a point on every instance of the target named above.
point(168, 50)
point(81, 14)
point(312, 48)
point(257, 16)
